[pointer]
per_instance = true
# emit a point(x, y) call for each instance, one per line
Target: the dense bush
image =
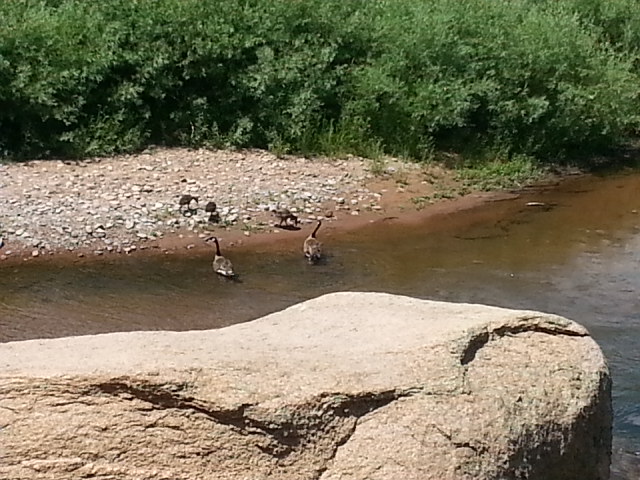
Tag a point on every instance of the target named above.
point(536, 77)
point(617, 21)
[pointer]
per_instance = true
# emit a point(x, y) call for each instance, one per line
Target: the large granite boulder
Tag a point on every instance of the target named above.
point(345, 386)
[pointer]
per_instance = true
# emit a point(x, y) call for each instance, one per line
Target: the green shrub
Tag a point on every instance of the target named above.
point(528, 77)
point(506, 76)
point(617, 21)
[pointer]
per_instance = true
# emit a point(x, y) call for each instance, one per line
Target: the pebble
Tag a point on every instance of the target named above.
point(71, 206)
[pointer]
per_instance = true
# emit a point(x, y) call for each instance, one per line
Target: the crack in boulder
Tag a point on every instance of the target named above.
point(478, 448)
point(482, 338)
point(356, 407)
point(284, 436)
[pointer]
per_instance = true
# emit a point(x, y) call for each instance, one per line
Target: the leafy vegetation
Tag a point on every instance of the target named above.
point(500, 173)
point(526, 78)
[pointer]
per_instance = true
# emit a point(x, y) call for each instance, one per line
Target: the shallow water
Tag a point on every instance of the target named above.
point(577, 256)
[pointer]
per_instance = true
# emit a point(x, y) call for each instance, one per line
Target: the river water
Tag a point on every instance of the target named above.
point(578, 256)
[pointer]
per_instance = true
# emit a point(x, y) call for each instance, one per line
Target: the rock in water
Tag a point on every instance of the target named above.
point(346, 386)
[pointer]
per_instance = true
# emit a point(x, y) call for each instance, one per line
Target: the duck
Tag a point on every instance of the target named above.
point(221, 265)
point(312, 247)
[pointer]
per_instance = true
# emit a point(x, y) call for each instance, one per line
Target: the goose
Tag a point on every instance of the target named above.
point(185, 201)
point(212, 209)
point(221, 265)
point(214, 217)
point(312, 247)
point(285, 215)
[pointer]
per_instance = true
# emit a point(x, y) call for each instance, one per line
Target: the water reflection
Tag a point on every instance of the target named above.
point(576, 256)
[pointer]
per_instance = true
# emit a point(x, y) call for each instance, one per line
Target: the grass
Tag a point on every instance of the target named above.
point(378, 166)
point(422, 201)
point(500, 173)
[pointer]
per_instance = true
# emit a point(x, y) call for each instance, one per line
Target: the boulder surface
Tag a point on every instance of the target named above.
point(345, 386)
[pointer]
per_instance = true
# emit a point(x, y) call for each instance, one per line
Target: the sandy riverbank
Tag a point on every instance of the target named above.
point(129, 204)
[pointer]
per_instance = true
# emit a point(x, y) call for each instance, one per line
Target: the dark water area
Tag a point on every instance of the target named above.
point(578, 256)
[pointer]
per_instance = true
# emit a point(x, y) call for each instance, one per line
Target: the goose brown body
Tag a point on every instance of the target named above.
point(285, 216)
point(185, 203)
point(185, 200)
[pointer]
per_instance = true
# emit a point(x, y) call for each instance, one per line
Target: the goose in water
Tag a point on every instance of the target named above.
point(221, 265)
point(312, 247)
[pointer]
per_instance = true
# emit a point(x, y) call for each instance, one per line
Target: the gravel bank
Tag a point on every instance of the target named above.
point(125, 203)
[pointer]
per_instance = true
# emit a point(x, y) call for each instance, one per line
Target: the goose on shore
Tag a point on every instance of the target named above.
point(285, 216)
point(185, 201)
point(212, 209)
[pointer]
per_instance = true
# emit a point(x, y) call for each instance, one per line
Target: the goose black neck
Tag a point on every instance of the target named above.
point(217, 246)
point(313, 235)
